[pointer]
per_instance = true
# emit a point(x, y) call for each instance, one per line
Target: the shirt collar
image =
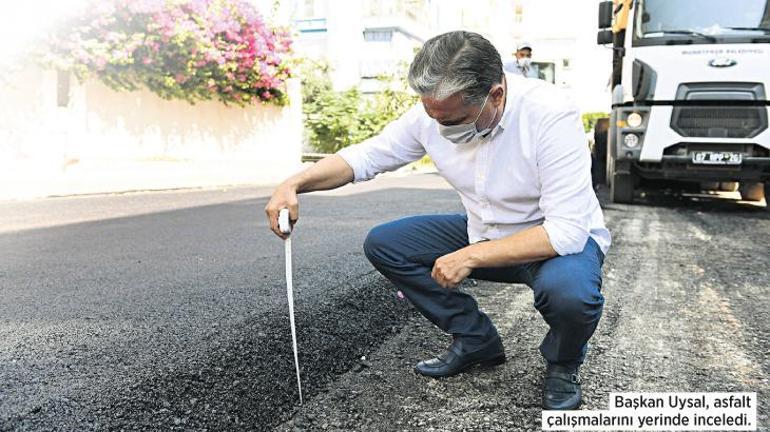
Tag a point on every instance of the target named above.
point(504, 119)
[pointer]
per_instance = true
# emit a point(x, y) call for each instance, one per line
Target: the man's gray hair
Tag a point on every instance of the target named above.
point(457, 61)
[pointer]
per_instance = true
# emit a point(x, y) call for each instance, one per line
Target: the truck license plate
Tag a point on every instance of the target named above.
point(717, 158)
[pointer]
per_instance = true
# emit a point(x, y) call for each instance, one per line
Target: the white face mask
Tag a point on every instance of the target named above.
point(524, 62)
point(465, 133)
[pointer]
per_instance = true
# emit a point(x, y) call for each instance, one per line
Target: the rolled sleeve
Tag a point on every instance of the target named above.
point(564, 167)
point(354, 157)
point(394, 147)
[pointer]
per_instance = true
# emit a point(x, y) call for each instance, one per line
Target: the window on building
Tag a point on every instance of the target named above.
point(518, 13)
point(308, 8)
point(378, 35)
point(414, 9)
point(373, 8)
point(313, 8)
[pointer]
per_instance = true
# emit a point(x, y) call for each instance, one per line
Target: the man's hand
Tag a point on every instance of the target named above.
point(449, 270)
point(531, 244)
point(328, 173)
point(284, 196)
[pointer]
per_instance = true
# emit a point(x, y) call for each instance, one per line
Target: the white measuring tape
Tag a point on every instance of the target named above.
point(285, 226)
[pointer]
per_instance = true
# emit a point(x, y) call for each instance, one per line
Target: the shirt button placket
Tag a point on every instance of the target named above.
point(481, 177)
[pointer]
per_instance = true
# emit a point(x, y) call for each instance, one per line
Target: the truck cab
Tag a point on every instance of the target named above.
point(544, 70)
point(690, 87)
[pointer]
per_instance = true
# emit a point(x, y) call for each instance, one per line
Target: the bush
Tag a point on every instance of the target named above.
point(180, 49)
point(334, 120)
point(589, 119)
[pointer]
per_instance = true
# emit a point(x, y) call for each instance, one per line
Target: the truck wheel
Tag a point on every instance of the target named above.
point(622, 188)
point(728, 186)
point(751, 191)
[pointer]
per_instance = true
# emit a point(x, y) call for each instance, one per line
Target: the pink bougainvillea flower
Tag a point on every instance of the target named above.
point(212, 44)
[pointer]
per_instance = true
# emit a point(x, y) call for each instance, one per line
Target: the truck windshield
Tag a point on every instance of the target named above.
point(669, 22)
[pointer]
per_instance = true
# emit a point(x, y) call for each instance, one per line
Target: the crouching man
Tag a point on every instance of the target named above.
point(515, 151)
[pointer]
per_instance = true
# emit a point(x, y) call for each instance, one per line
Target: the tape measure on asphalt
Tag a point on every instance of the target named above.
point(284, 225)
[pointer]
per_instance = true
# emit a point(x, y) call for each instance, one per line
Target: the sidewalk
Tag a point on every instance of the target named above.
point(40, 179)
point(51, 178)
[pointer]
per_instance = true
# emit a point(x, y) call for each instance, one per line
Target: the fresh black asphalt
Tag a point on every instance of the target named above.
point(167, 311)
point(176, 319)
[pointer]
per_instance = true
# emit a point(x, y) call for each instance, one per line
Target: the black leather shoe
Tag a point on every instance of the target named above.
point(561, 388)
point(457, 359)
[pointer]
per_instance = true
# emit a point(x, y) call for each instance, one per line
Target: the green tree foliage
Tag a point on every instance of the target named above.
point(590, 118)
point(337, 119)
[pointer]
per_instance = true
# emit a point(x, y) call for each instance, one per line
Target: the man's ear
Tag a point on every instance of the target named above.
point(497, 94)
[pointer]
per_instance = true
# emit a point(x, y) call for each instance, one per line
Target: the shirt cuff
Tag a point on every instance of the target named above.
point(563, 241)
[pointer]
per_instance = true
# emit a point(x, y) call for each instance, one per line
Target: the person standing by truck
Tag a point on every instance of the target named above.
point(515, 152)
point(521, 64)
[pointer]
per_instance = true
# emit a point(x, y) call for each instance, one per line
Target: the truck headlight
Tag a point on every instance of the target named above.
point(634, 120)
point(631, 140)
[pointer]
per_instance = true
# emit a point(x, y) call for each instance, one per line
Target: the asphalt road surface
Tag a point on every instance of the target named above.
point(167, 311)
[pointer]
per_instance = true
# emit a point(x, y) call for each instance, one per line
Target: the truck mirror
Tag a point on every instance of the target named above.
point(604, 37)
point(605, 14)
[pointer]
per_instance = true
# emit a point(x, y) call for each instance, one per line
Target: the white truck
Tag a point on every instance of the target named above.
point(690, 87)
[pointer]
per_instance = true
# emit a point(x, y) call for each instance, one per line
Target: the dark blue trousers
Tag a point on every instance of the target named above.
point(567, 289)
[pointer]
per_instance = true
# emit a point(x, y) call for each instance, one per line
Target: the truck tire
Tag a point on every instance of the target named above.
point(610, 167)
point(601, 135)
point(610, 149)
point(622, 188)
point(767, 195)
point(728, 186)
point(751, 191)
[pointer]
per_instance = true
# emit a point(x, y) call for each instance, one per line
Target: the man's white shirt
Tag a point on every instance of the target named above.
point(533, 169)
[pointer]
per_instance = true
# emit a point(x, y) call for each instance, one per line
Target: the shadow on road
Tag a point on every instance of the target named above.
point(681, 200)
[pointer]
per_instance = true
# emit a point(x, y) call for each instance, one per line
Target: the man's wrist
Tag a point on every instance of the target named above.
point(473, 258)
point(293, 184)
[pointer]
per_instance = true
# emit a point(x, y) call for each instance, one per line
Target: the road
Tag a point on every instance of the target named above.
point(166, 311)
